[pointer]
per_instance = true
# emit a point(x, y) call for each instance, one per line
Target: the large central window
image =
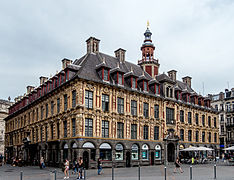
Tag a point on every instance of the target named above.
point(74, 98)
point(73, 127)
point(89, 99)
point(156, 133)
point(120, 105)
point(133, 108)
point(146, 110)
point(156, 111)
point(189, 118)
point(120, 130)
point(65, 102)
point(181, 116)
point(105, 102)
point(105, 128)
point(88, 127)
point(133, 131)
point(146, 132)
point(170, 115)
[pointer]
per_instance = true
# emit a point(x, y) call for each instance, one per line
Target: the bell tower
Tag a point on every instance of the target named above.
point(148, 63)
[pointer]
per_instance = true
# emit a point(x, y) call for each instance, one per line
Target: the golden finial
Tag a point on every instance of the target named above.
point(148, 24)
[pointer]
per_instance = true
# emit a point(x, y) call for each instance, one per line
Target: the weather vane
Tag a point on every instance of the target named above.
point(147, 24)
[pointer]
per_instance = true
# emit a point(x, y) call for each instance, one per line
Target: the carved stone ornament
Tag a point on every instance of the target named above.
point(90, 87)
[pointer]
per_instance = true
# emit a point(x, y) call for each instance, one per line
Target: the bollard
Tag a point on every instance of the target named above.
point(139, 171)
point(84, 174)
point(165, 170)
point(215, 171)
point(55, 174)
point(113, 171)
point(191, 173)
point(21, 175)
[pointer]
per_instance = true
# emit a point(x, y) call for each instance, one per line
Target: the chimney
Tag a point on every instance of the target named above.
point(66, 62)
point(172, 74)
point(120, 54)
point(43, 80)
point(30, 89)
point(187, 80)
point(92, 45)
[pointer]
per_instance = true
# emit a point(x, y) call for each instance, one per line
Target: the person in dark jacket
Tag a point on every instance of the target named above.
point(99, 166)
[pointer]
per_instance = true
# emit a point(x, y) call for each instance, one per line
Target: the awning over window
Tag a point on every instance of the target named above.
point(105, 146)
point(119, 147)
point(134, 147)
point(88, 145)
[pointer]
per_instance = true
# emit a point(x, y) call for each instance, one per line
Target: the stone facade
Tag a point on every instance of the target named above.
point(224, 104)
point(104, 107)
point(4, 105)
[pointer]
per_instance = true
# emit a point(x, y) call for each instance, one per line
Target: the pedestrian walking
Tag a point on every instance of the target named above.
point(42, 163)
point(75, 166)
point(177, 165)
point(99, 166)
point(80, 168)
point(66, 170)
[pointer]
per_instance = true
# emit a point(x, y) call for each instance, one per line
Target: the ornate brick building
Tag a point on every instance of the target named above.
point(104, 106)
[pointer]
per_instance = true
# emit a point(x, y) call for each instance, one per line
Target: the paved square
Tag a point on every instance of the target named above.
point(200, 172)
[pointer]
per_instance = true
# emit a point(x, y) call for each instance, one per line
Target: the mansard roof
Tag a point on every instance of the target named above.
point(91, 61)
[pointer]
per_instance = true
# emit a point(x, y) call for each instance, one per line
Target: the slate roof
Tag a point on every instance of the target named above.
point(89, 63)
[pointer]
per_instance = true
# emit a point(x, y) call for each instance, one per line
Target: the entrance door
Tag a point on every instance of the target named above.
point(128, 159)
point(86, 159)
point(170, 152)
point(152, 158)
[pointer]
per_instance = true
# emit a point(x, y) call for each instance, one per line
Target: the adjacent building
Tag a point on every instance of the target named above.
point(104, 106)
point(4, 105)
point(224, 104)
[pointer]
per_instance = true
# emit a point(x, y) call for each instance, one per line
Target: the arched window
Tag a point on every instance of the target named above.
point(105, 151)
point(119, 152)
point(157, 152)
point(145, 152)
point(135, 152)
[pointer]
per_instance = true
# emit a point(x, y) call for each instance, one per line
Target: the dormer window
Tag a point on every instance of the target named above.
point(157, 89)
point(120, 79)
point(145, 85)
point(105, 74)
point(134, 84)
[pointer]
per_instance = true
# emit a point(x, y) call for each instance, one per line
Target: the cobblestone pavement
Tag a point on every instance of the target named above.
point(199, 172)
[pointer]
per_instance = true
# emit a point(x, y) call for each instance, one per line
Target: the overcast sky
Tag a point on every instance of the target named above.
point(194, 37)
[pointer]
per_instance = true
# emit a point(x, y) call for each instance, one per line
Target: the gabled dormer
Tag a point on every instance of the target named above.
point(103, 71)
point(178, 93)
point(118, 75)
point(186, 95)
point(131, 79)
point(143, 82)
point(154, 86)
point(194, 98)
